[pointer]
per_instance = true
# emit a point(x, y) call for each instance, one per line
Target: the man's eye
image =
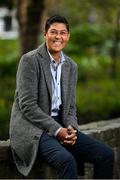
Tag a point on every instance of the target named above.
point(53, 32)
point(63, 33)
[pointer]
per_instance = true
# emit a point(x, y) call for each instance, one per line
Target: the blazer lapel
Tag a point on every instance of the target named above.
point(48, 78)
point(46, 67)
point(65, 81)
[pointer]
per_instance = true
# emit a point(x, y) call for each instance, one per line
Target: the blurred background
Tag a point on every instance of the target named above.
point(94, 45)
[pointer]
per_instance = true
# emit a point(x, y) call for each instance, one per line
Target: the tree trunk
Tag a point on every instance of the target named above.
point(29, 13)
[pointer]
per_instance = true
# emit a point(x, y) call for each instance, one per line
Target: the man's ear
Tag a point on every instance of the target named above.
point(68, 36)
point(44, 33)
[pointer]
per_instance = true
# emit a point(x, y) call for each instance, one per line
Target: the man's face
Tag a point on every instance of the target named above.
point(56, 37)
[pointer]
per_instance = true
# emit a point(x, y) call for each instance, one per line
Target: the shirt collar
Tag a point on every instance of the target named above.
point(62, 58)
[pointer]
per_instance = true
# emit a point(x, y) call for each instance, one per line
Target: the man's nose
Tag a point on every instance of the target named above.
point(58, 35)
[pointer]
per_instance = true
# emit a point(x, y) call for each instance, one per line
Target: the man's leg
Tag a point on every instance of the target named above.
point(96, 152)
point(58, 157)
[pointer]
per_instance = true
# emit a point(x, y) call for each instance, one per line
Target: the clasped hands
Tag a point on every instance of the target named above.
point(67, 136)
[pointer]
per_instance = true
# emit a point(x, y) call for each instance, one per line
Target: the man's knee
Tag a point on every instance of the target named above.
point(108, 154)
point(66, 166)
point(67, 158)
point(111, 154)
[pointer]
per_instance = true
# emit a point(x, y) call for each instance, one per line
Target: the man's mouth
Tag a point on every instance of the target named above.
point(58, 43)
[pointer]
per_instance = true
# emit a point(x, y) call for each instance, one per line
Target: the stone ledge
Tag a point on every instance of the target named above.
point(107, 131)
point(100, 126)
point(4, 150)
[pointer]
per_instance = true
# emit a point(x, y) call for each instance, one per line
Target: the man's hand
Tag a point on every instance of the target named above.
point(67, 136)
point(71, 139)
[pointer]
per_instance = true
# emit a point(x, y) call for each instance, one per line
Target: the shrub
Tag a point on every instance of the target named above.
point(98, 100)
point(9, 52)
point(87, 38)
point(7, 90)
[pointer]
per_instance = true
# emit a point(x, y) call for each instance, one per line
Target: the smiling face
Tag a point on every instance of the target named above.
point(56, 37)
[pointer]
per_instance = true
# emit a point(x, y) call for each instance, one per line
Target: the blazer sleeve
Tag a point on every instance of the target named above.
point(27, 89)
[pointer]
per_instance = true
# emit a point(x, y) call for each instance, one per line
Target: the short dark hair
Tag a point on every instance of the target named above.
point(54, 19)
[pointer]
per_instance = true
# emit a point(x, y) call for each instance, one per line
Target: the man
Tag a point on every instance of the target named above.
point(43, 118)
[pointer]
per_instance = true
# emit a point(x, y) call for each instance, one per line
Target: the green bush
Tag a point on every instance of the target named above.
point(8, 68)
point(98, 100)
point(4, 120)
point(90, 38)
point(8, 47)
point(9, 52)
point(93, 67)
point(7, 89)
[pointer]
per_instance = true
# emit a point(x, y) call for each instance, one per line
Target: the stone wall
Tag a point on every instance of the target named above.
point(107, 131)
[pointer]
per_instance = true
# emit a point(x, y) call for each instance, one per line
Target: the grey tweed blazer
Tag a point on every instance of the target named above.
point(30, 114)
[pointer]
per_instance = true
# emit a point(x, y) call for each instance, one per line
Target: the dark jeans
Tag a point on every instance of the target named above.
point(66, 159)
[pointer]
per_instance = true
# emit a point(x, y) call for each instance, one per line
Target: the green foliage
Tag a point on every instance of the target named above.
point(87, 38)
point(8, 68)
point(98, 100)
point(8, 49)
point(93, 67)
point(7, 89)
point(8, 57)
point(8, 62)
